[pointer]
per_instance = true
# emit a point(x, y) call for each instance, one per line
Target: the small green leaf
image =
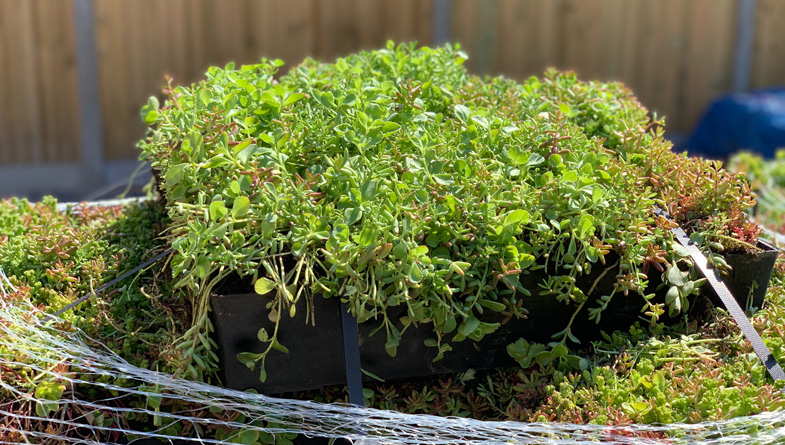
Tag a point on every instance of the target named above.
point(585, 225)
point(535, 159)
point(462, 113)
point(205, 95)
point(242, 145)
point(248, 437)
point(525, 260)
point(262, 374)
point(596, 194)
point(680, 250)
point(325, 98)
point(544, 357)
point(292, 98)
point(443, 179)
point(49, 391)
point(349, 99)
point(174, 174)
point(279, 347)
point(352, 215)
point(203, 266)
point(151, 117)
point(154, 400)
point(569, 176)
point(518, 216)
point(389, 128)
point(640, 406)
point(366, 237)
point(267, 139)
point(492, 305)
point(217, 210)
point(373, 376)
point(262, 335)
point(415, 273)
point(391, 346)
point(368, 190)
point(264, 286)
point(469, 325)
point(149, 111)
point(559, 350)
point(518, 156)
point(244, 155)
point(418, 251)
point(249, 359)
point(481, 121)
point(672, 295)
point(658, 379)
point(675, 276)
point(241, 206)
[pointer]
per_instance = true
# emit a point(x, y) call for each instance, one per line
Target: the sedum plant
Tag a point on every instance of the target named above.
point(394, 178)
point(767, 179)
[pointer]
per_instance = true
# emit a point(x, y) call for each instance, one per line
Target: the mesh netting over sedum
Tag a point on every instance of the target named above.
point(84, 366)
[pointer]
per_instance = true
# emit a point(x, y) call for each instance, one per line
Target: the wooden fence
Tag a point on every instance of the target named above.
point(676, 55)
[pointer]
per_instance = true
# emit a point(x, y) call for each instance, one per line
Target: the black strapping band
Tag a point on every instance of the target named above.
point(351, 355)
point(713, 277)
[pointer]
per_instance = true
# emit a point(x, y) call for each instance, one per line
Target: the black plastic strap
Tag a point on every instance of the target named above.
point(112, 283)
point(713, 277)
point(351, 355)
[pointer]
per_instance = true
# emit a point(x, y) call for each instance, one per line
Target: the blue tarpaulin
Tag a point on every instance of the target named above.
point(752, 121)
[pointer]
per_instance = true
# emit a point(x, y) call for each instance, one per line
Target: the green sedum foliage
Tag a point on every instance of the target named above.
point(393, 178)
point(767, 179)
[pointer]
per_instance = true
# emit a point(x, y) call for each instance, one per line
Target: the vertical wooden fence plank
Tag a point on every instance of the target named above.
point(90, 127)
point(407, 21)
point(423, 25)
point(327, 29)
point(45, 25)
point(665, 94)
point(172, 22)
point(513, 20)
point(60, 102)
point(264, 33)
point(486, 36)
point(23, 66)
point(548, 35)
point(7, 81)
point(464, 28)
point(136, 66)
point(743, 50)
point(647, 69)
point(293, 38)
point(711, 37)
point(116, 67)
point(611, 39)
point(629, 30)
point(577, 24)
point(441, 16)
point(195, 16)
point(369, 21)
point(67, 103)
point(768, 67)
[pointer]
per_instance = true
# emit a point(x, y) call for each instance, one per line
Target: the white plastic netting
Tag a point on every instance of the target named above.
point(28, 339)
